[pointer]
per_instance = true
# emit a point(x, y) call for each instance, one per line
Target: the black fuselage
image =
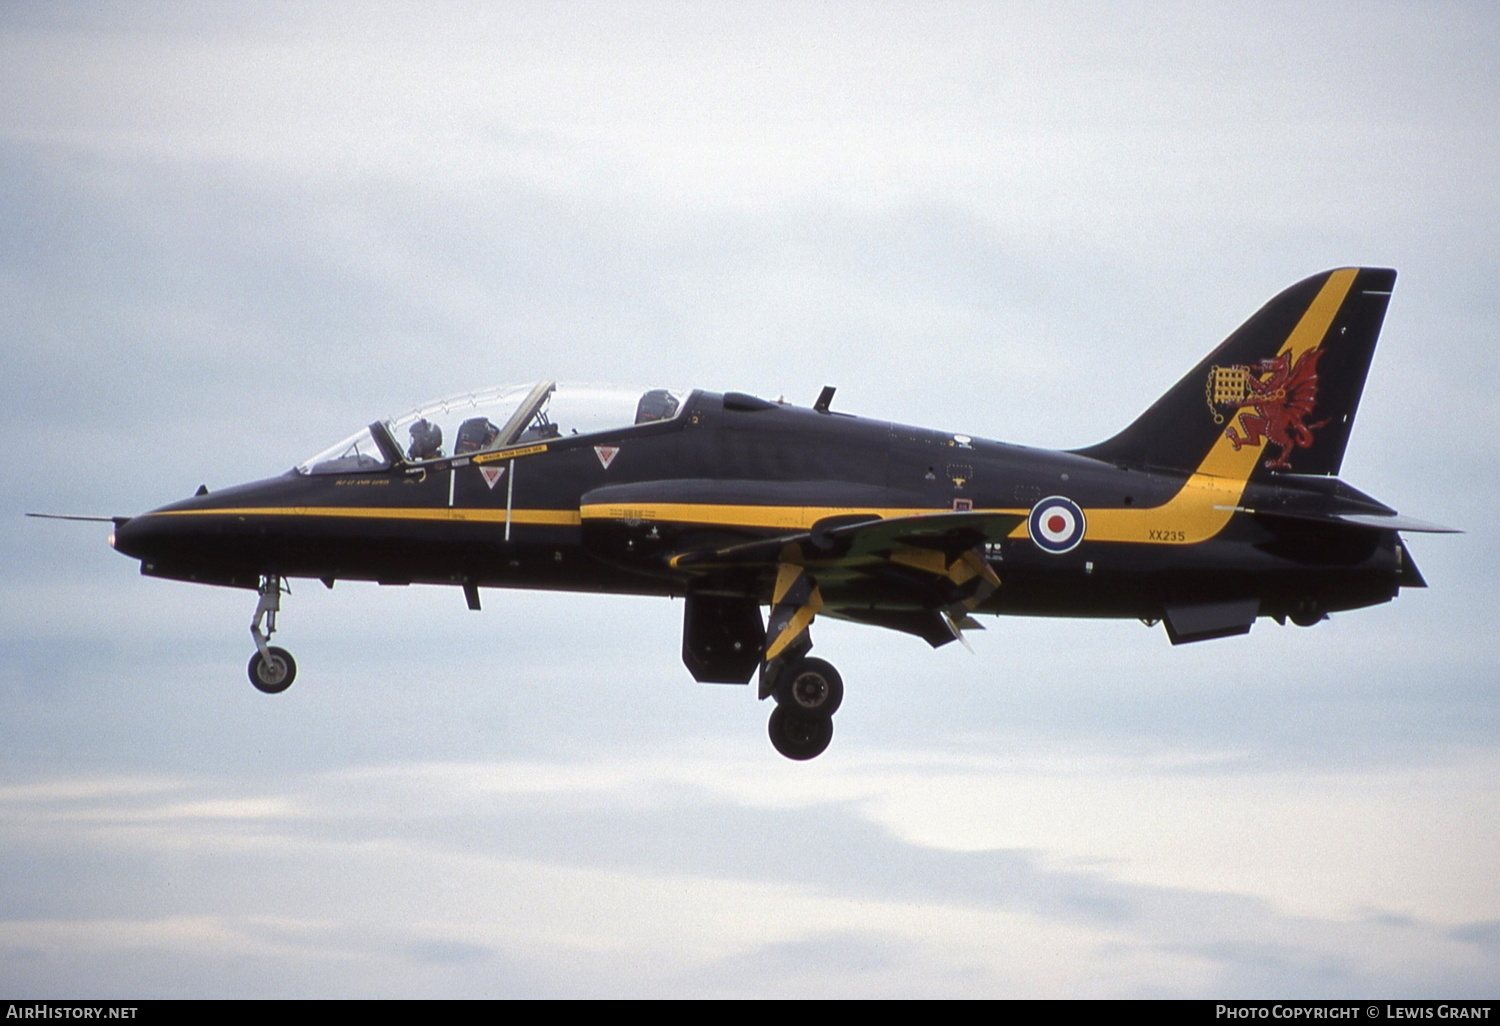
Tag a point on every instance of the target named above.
point(571, 515)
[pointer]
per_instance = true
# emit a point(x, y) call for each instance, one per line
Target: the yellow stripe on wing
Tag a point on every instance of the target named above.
point(789, 518)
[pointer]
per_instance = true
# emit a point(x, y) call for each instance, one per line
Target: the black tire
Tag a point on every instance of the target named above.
point(799, 735)
point(276, 676)
point(810, 686)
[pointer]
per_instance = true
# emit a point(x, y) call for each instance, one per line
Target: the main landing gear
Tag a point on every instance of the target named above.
point(724, 641)
point(807, 693)
point(271, 669)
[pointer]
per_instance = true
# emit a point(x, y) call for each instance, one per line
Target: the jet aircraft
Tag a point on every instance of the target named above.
point(1220, 504)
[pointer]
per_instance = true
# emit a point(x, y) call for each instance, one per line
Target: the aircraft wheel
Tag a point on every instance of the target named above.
point(810, 686)
point(275, 675)
point(800, 735)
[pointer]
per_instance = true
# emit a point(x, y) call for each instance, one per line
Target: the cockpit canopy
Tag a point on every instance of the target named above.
point(496, 418)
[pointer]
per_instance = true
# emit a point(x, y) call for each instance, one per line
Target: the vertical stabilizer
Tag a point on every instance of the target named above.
point(1286, 382)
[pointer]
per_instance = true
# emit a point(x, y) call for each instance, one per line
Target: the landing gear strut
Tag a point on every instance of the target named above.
point(807, 692)
point(271, 669)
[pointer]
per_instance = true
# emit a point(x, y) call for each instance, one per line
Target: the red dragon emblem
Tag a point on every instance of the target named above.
point(1273, 401)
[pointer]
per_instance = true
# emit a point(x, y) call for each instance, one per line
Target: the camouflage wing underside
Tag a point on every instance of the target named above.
point(920, 574)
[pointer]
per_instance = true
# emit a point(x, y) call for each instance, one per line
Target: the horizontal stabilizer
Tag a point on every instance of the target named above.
point(1391, 522)
point(1398, 523)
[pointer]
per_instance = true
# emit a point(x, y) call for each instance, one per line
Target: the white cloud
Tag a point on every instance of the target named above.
point(956, 877)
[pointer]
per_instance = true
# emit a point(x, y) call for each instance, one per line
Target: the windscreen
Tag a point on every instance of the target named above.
point(355, 454)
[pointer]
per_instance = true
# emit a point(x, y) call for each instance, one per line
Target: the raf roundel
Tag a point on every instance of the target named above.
point(1056, 524)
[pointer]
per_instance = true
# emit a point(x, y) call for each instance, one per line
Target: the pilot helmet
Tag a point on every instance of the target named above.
point(426, 440)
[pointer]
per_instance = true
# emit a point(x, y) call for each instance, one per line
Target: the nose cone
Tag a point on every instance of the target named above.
point(206, 538)
point(159, 535)
point(175, 544)
point(134, 537)
point(196, 527)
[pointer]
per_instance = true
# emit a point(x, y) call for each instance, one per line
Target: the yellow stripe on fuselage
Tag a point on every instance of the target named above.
point(558, 517)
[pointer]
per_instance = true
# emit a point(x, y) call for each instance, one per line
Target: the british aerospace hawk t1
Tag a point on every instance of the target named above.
point(1218, 505)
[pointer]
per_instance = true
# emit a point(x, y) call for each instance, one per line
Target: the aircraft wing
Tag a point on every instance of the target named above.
point(920, 574)
point(840, 548)
point(856, 541)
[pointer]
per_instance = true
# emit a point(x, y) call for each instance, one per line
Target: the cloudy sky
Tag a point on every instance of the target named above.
point(231, 234)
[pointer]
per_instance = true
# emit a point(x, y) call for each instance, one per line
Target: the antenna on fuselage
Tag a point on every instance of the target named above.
point(825, 399)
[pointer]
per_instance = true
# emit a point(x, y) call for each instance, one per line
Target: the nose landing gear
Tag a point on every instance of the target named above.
point(271, 669)
point(274, 671)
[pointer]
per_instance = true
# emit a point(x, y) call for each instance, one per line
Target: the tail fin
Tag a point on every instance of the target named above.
point(1286, 382)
